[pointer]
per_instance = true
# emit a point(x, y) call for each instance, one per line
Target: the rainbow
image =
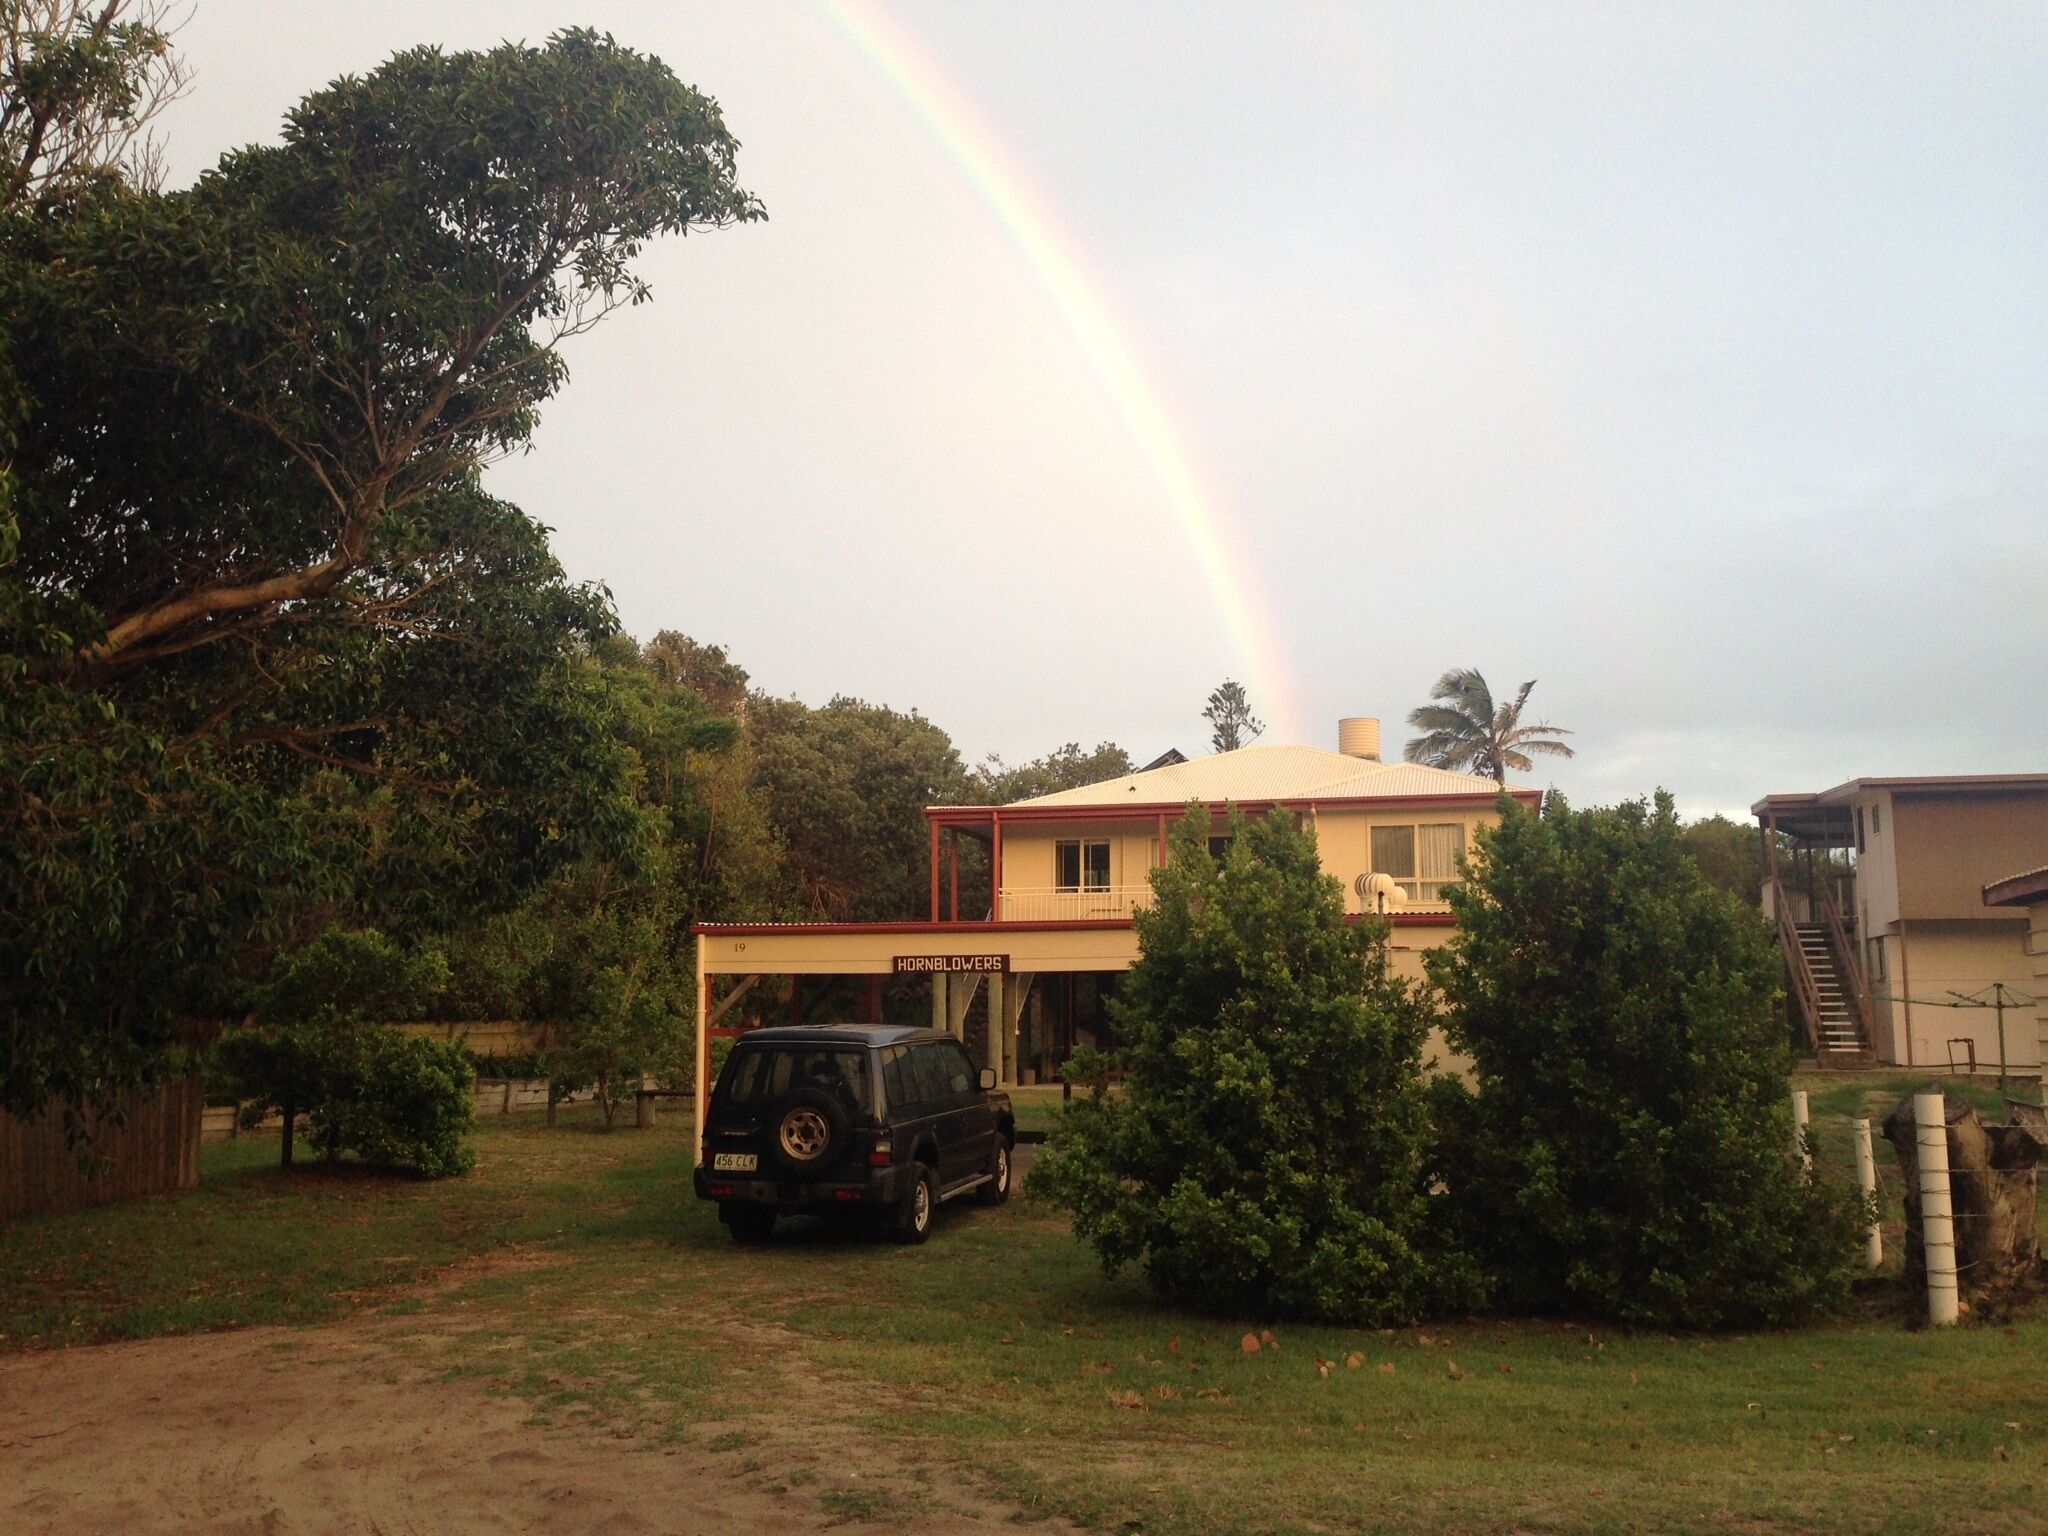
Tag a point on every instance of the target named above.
point(1109, 346)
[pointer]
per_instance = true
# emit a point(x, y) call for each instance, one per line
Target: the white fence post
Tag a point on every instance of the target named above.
point(1937, 1216)
point(1799, 1128)
point(1866, 1180)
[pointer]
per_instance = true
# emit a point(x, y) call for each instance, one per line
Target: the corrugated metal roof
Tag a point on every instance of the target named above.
point(2022, 889)
point(1253, 775)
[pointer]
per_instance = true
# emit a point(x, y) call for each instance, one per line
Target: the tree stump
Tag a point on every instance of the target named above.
point(1994, 1187)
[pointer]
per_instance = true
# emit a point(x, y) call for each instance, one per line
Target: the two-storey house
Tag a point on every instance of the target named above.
point(1021, 962)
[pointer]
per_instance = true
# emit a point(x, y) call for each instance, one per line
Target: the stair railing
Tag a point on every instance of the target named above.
point(1805, 989)
point(1847, 963)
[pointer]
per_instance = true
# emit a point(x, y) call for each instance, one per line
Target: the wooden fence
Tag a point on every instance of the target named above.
point(151, 1148)
point(488, 1037)
point(494, 1096)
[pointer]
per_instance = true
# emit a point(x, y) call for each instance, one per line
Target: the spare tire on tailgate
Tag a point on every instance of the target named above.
point(808, 1131)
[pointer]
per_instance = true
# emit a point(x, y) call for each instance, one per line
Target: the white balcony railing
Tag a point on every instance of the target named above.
point(1050, 904)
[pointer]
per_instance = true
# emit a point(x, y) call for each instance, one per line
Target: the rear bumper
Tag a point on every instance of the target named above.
point(873, 1187)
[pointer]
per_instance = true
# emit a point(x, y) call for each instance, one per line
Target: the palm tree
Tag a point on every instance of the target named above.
point(1465, 730)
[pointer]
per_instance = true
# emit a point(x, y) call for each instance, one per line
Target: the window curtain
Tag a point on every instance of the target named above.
point(1393, 852)
point(1440, 848)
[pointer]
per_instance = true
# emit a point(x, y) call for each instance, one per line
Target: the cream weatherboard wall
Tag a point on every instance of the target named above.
point(1936, 958)
point(1343, 839)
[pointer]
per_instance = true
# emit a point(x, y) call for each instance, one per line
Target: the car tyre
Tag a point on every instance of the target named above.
point(997, 1189)
point(809, 1133)
point(750, 1223)
point(919, 1208)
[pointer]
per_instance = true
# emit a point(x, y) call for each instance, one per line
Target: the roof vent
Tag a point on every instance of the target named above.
point(1359, 736)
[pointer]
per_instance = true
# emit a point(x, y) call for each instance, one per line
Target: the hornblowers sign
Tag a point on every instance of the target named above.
point(925, 965)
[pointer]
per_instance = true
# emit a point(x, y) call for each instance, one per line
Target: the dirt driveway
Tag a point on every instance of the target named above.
point(349, 1429)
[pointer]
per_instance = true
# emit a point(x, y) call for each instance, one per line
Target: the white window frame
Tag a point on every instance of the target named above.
point(1416, 885)
point(1081, 847)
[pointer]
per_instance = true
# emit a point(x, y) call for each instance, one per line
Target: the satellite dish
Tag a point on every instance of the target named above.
point(1380, 893)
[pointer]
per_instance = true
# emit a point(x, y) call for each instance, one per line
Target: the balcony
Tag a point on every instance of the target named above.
point(1116, 903)
point(1055, 904)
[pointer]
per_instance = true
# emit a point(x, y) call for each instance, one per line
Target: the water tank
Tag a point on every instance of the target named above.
point(1359, 736)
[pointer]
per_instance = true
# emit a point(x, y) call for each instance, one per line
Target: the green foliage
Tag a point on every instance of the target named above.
point(1726, 854)
point(1232, 723)
point(79, 82)
point(1627, 1149)
point(370, 1090)
point(1730, 857)
point(845, 788)
point(997, 783)
point(398, 1101)
point(353, 974)
point(1466, 731)
point(270, 658)
point(1265, 1154)
point(367, 1088)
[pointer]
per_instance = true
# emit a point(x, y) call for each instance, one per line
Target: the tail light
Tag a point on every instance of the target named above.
point(721, 1191)
point(882, 1154)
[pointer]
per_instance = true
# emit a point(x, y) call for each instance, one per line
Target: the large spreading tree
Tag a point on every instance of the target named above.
point(272, 655)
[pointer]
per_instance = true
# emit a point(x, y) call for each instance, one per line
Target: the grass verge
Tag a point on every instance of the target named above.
point(575, 1270)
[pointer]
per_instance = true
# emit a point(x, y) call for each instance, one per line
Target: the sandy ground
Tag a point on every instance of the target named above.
point(348, 1429)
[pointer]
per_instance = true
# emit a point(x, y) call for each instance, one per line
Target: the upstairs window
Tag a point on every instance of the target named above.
point(1423, 859)
point(1219, 848)
point(1082, 864)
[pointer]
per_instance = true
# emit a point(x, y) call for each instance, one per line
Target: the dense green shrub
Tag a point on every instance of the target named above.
point(366, 1089)
point(1627, 1147)
point(398, 1100)
point(1265, 1153)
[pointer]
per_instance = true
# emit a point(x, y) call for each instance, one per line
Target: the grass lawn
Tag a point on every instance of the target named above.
point(574, 1268)
point(1039, 1107)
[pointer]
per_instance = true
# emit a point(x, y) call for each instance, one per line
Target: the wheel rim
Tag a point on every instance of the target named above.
point(1002, 1168)
point(803, 1134)
point(921, 1206)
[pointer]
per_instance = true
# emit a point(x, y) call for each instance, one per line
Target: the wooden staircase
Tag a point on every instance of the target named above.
point(1839, 1030)
point(1827, 984)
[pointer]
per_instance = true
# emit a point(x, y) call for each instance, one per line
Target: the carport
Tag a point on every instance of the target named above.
point(958, 960)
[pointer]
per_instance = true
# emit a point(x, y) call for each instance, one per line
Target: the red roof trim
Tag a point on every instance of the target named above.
point(742, 930)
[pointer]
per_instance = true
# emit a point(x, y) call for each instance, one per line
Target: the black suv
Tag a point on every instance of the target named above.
point(852, 1119)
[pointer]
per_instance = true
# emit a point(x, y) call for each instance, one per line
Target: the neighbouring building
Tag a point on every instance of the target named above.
point(1895, 950)
point(2027, 892)
point(1022, 967)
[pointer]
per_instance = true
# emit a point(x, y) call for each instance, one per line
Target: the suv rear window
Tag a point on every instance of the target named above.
point(759, 1076)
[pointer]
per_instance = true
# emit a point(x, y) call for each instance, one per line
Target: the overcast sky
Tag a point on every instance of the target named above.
point(1692, 360)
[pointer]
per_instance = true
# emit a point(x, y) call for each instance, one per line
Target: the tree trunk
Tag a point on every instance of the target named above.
point(1994, 1187)
point(290, 1113)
